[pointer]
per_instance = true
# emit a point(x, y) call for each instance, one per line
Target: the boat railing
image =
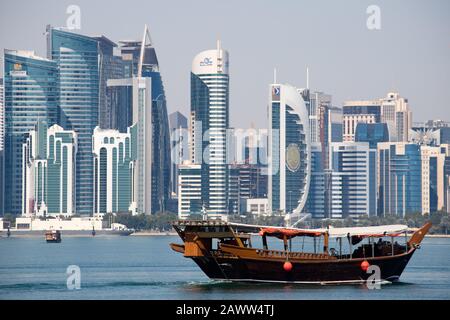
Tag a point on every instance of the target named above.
point(283, 254)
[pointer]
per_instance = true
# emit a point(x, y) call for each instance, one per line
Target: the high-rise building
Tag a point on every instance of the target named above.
point(139, 99)
point(48, 171)
point(2, 155)
point(246, 181)
point(330, 130)
point(392, 110)
point(114, 159)
point(446, 149)
point(210, 114)
point(319, 104)
point(189, 190)
point(355, 112)
point(396, 114)
point(353, 182)
point(433, 178)
point(179, 146)
point(2, 116)
point(372, 133)
point(399, 178)
point(78, 58)
point(289, 150)
point(30, 95)
point(316, 196)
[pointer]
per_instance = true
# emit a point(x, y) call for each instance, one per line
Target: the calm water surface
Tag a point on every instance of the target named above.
point(145, 268)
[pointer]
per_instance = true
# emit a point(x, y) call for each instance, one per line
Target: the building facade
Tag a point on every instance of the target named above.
point(48, 171)
point(210, 115)
point(30, 95)
point(289, 150)
point(139, 99)
point(399, 178)
point(353, 182)
point(179, 146)
point(114, 160)
point(78, 59)
point(189, 190)
point(355, 112)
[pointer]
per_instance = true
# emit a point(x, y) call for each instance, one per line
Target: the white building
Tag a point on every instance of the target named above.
point(189, 190)
point(289, 150)
point(257, 206)
point(113, 170)
point(353, 186)
point(210, 113)
point(433, 178)
point(48, 171)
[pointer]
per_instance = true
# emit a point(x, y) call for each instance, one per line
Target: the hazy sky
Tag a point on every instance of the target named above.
point(410, 54)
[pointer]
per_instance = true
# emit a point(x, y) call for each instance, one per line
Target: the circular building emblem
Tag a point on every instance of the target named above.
point(293, 157)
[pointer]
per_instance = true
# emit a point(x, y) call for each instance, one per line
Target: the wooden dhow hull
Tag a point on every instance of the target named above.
point(308, 271)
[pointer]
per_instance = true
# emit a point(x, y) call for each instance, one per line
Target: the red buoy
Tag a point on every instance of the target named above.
point(287, 266)
point(365, 265)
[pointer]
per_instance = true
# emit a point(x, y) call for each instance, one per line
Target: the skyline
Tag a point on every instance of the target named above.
point(418, 31)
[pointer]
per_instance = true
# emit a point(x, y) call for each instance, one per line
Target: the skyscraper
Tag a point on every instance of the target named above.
point(114, 155)
point(353, 182)
point(139, 99)
point(355, 112)
point(78, 58)
point(2, 146)
point(210, 109)
point(179, 146)
point(399, 178)
point(433, 175)
point(392, 110)
point(289, 150)
point(48, 171)
point(30, 95)
point(189, 190)
point(396, 114)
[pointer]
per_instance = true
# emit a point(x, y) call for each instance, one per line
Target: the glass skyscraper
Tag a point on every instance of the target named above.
point(77, 57)
point(210, 109)
point(400, 178)
point(289, 150)
point(30, 95)
point(139, 99)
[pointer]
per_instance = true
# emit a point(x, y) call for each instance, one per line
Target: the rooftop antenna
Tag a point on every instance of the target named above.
point(307, 78)
point(274, 75)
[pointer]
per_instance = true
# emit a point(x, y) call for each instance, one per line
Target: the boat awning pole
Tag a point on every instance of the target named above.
point(392, 245)
point(406, 241)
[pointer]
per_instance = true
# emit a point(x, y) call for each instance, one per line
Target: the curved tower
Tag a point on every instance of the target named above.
point(209, 111)
point(289, 150)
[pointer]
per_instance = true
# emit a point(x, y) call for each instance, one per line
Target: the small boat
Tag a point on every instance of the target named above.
point(224, 251)
point(53, 236)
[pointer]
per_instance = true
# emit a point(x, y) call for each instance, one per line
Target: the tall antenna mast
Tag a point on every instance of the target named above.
point(274, 75)
point(307, 78)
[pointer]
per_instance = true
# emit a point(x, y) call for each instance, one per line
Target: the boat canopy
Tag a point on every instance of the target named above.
point(360, 232)
point(364, 232)
point(289, 233)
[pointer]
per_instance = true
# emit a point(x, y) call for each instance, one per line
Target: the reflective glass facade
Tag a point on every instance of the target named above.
point(400, 179)
point(30, 95)
point(77, 57)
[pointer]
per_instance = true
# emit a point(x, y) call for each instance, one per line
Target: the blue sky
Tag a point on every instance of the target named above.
point(410, 54)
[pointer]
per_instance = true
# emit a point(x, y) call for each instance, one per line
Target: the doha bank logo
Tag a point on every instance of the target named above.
point(206, 62)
